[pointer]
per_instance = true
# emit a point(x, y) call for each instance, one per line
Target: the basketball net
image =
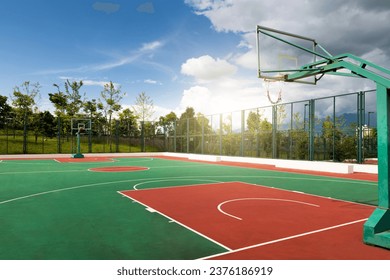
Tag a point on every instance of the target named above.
point(273, 86)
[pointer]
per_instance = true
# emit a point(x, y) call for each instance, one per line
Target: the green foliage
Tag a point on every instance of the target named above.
point(5, 111)
point(73, 97)
point(167, 124)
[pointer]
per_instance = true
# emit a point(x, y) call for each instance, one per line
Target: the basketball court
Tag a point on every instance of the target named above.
point(164, 207)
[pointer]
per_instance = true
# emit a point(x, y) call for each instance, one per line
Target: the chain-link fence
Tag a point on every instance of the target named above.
point(337, 128)
point(21, 139)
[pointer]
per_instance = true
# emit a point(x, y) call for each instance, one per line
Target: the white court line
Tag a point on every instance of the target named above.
point(39, 172)
point(119, 171)
point(177, 222)
point(170, 180)
point(259, 198)
point(284, 239)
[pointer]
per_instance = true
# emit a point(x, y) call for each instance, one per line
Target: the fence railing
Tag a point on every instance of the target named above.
point(335, 128)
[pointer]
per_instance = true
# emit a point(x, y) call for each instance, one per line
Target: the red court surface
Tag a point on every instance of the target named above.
point(255, 222)
point(85, 159)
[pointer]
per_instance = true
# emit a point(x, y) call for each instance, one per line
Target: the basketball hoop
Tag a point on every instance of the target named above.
point(81, 128)
point(276, 86)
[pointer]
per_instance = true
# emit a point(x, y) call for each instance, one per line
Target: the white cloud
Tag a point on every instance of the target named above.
point(247, 60)
point(152, 82)
point(206, 68)
point(197, 97)
point(225, 95)
point(151, 46)
point(116, 63)
point(88, 82)
point(98, 83)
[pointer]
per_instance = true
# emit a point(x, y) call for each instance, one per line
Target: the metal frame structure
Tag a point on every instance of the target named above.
point(81, 126)
point(376, 230)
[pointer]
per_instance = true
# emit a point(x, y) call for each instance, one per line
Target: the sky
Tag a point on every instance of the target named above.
point(181, 53)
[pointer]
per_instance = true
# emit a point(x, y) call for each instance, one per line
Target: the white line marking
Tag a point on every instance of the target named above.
point(135, 187)
point(285, 238)
point(39, 172)
point(151, 210)
point(177, 222)
point(260, 198)
point(118, 171)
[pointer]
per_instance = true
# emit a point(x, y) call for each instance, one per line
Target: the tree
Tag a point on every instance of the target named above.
point(24, 100)
point(300, 137)
point(43, 124)
point(5, 110)
point(128, 123)
point(188, 114)
point(143, 108)
point(111, 97)
point(93, 109)
point(167, 123)
point(231, 140)
point(73, 96)
point(59, 100)
point(253, 122)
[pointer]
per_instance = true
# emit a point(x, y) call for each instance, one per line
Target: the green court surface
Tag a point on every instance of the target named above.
point(69, 210)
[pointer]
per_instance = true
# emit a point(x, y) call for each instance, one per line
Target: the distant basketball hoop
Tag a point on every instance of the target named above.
point(80, 127)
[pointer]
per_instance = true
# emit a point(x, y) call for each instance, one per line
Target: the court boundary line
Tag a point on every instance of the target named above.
point(170, 180)
point(283, 239)
point(97, 171)
point(175, 221)
point(32, 172)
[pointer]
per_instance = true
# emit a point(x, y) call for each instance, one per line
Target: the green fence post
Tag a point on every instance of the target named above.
point(220, 134)
point(142, 136)
point(274, 130)
point(334, 130)
point(188, 135)
point(202, 144)
point(59, 134)
point(290, 138)
point(360, 112)
point(242, 148)
point(117, 136)
point(311, 128)
point(174, 136)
